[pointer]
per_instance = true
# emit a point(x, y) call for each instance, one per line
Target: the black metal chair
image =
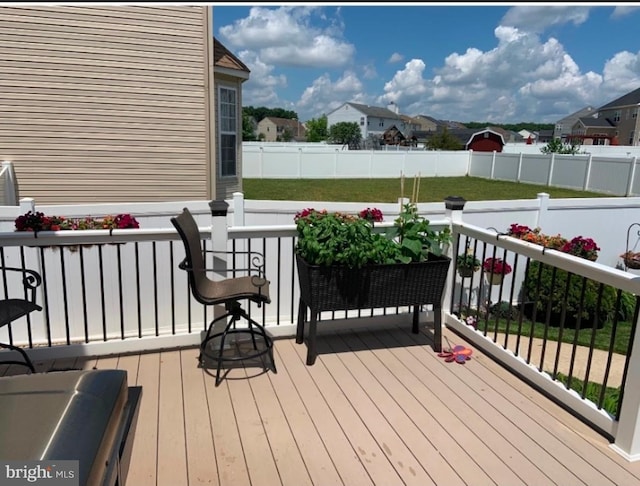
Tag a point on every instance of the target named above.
point(227, 291)
point(14, 308)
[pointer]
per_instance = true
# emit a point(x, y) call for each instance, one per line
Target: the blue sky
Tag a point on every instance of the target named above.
point(485, 62)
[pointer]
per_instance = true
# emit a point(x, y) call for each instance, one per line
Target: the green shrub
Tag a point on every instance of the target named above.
point(504, 310)
point(554, 291)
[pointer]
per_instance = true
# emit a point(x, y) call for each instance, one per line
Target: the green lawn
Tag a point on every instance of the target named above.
point(431, 189)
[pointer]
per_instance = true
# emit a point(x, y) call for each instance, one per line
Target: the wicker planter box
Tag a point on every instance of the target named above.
point(329, 288)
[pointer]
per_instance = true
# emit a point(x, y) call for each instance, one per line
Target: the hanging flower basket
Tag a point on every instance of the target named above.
point(494, 279)
point(631, 260)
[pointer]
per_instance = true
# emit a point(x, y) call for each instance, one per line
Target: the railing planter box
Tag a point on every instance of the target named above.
point(333, 288)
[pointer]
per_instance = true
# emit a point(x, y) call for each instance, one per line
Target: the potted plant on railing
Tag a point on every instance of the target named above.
point(38, 221)
point(344, 263)
point(495, 269)
point(467, 264)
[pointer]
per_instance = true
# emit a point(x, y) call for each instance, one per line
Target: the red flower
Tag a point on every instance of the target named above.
point(373, 215)
point(496, 266)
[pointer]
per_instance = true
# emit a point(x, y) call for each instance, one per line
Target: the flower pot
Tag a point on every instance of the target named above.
point(337, 287)
point(495, 278)
point(465, 272)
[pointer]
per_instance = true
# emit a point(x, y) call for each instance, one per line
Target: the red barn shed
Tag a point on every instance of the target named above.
point(485, 141)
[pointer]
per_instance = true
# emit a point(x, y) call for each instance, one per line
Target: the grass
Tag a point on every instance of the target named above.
point(602, 336)
point(431, 189)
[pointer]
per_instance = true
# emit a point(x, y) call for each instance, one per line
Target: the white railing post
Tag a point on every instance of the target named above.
point(27, 204)
point(219, 234)
point(627, 441)
point(238, 209)
point(10, 186)
point(543, 208)
point(469, 162)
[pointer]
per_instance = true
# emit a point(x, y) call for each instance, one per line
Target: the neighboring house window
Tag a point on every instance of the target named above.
point(381, 124)
point(631, 135)
point(634, 114)
point(361, 121)
point(228, 130)
point(616, 116)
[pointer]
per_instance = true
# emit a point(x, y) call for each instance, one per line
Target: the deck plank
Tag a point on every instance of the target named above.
point(144, 455)
point(257, 452)
point(371, 453)
point(202, 467)
point(285, 451)
point(349, 465)
point(383, 388)
point(348, 373)
point(230, 459)
point(313, 450)
point(379, 391)
point(172, 449)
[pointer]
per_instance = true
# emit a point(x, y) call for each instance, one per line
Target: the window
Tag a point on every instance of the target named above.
point(631, 134)
point(228, 122)
point(616, 116)
point(361, 121)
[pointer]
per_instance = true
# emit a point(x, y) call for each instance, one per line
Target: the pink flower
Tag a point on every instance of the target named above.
point(496, 266)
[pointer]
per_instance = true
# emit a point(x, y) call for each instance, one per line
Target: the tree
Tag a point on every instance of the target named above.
point(317, 129)
point(557, 146)
point(262, 112)
point(346, 133)
point(248, 133)
point(444, 141)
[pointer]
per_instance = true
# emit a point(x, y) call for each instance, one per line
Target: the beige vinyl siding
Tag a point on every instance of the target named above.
point(105, 103)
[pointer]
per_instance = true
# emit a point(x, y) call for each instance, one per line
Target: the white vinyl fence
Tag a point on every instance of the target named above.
point(610, 174)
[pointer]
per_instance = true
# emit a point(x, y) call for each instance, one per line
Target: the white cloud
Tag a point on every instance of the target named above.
point(539, 18)
point(522, 77)
point(261, 87)
point(622, 11)
point(395, 57)
point(323, 96)
point(290, 36)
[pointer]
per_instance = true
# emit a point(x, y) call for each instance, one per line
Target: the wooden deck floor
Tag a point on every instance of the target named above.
point(377, 408)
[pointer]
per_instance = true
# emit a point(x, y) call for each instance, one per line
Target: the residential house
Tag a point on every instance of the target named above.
point(563, 127)
point(275, 129)
point(622, 113)
point(427, 123)
point(593, 131)
point(372, 120)
point(544, 136)
point(117, 103)
point(486, 140)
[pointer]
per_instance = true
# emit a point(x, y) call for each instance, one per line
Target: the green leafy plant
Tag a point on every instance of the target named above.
point(343, 239)
point(468, 261)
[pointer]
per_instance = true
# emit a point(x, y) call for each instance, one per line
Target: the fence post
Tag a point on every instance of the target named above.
point(519, 168)
point(627, 441)
point(469, 162)
point(550, 175)
point(587, 175)
point(543, 207)
point(632, 174)
point(493, 164)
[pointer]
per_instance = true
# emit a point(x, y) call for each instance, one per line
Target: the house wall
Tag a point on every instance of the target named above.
point(106, 103)
point(628, 127)
point(347, 113)
point(269, 129)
